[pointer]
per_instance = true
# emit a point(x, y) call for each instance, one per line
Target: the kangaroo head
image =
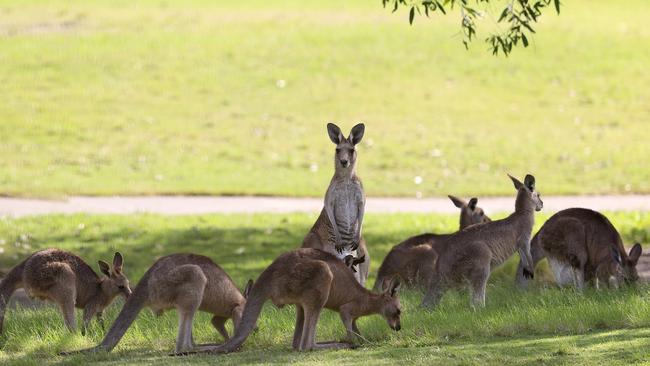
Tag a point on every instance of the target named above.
point(115, 283)
point(626, 267)
point(346, 155)
point(351, 261)
point(527, 196)
point(391, 309)
point(470, 214)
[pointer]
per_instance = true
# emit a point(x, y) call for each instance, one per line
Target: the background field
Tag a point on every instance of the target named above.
point(167, 97)
point(541, 326)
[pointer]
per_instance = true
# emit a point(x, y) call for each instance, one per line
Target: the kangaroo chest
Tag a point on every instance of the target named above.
point(348, 198)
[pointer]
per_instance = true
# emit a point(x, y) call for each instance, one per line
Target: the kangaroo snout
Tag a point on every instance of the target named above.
point(397, 327)
point(344, 163)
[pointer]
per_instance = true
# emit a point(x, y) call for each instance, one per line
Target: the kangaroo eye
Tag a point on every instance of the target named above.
point(338, 150)
point(120, 287)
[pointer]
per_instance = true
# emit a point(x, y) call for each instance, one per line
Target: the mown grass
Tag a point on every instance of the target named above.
point(542, 325)
point(102, 97)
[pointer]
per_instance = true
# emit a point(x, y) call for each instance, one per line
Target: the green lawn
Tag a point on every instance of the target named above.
point(215, 97)
point(544, 325)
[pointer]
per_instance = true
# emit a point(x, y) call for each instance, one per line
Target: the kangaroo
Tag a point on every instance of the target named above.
point(582, 245)
point(312, 280)
point(471, 254)
point(353, 262)
point(414, 259)
point(338, 228)
point(65, 279)
point(187, 282)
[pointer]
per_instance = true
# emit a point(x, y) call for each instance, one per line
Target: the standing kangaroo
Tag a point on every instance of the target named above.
point(583, 245)
point(312, 280)
point(471, 254)
point(414, 259)
point(338, 228)
point(65, 279)
point(187, 282)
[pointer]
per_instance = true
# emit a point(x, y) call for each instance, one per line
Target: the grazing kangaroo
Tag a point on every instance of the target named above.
point(187, 282)
point(338, 228)
point(65, 279)
point(414, 259)
point(312, 280)
point(470, 255)
point(582, 245)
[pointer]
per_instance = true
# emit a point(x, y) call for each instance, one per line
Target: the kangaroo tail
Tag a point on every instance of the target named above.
point(127, 315)
point(256, 299)
point(8, 285)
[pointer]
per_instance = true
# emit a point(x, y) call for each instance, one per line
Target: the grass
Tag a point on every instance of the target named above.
point(544, 325)
point(204, 97)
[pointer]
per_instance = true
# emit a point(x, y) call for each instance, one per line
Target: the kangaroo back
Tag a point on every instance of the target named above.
point(260, 292)
point(8, 285)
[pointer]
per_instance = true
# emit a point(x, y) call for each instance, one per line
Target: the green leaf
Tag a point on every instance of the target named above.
point(442, 8)
point(412, 15)
point(504, 14)
point(524, 40)
point(557, 5)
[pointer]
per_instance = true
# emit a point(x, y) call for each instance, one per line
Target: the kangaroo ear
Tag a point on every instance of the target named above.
point(457, 201)
point(616, 255)
point(529, 182)
point(472, 203)
point(635, 253)
point(334, 132)
point(248, 288)
point(357, 133)
point(516, 182)
point(394, 286)
point(117, 262)
point(359, 260)
point(104, 268)
point(349, 260)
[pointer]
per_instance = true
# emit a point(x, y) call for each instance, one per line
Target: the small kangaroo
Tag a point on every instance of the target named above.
point(312, 280)
point(471, 254)
point(413, 260)
point(187, 282)
point(338, 228)
point(582, 245)
point(65, 279)
point(353, 262)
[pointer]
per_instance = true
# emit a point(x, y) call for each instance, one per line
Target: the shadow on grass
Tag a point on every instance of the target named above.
point(611, 347)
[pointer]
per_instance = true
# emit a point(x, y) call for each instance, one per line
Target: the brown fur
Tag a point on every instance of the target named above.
point(586, 244)
point(187, 282)
point(65, 279)
point(413, 260)
point(338, 227)
point(312, 280)
point(470, 255)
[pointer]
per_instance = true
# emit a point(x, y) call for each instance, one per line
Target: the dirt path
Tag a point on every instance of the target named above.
point(183, 205)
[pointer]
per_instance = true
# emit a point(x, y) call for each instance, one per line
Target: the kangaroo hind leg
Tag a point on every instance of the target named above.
point(64, 293)
point(188, 282)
